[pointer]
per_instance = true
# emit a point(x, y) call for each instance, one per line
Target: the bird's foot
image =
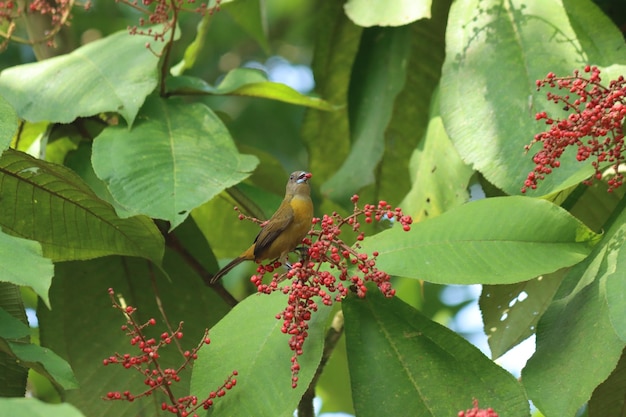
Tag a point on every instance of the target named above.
point(303, 251)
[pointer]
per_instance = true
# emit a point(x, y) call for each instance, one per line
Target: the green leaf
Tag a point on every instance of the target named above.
point(608, 398)
point(561, 362)
point(327, 134)
point(245, 82)
point(42, 360)
point(250, 15)
point(601, 41)
point(439, 175)
point(50, 204)
point(378, 75)
point(190, 237)
point(32, 407)
point(593, 205)
point(13, 377)
point(11, 327)
point(414, 108)
point(388, 13)
point(193, 49)
point(84, 328)
point(46, 362)
point(24, 264)
point(479, 241)
point(511, 312)
point(29, 135)
point(420, 367)
point(615, 290)
point(80, 162)
point(490, 119)
point(249, 340)
point(177, 157)
point(113, 74)
point(8, 123)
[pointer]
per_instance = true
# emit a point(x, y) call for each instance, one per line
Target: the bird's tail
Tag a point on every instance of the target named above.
point(226, 269)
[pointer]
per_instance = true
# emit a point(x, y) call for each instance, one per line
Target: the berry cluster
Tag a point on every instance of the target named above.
point(477, 412)
point(58, 10)
point(329, 268)
point(165, 13)
point(8, 11)
point(594, 125)
point(11, 12)
point(146, 362)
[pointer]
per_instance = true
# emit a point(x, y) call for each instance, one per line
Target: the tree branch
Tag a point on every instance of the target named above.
point(172, 242)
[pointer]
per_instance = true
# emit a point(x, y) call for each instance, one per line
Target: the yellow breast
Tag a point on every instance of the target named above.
point(294, 233)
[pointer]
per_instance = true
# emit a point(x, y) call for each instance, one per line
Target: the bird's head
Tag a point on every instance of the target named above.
point(299, 183)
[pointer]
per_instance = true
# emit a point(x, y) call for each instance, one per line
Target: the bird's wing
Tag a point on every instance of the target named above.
point(275, 226)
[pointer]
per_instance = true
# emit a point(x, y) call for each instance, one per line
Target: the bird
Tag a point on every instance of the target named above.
point(285, 230)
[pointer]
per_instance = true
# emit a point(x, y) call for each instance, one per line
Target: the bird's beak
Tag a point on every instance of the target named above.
point(303, 177)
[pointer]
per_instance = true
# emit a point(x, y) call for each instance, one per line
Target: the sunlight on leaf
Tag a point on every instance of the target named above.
point(491, 119)
point(8, 124)
point(479, 241)
point(511, 312)
point(440, 177)
point(387, 13)
point(32, 407)
point(116, 74)
point(245, 82)
point(580, 312)
point(177, 157)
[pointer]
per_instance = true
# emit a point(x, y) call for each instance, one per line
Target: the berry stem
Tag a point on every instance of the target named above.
point(157, 378)
point(159, 303)
point(167, 50)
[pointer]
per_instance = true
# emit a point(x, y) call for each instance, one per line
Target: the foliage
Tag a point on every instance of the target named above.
point(122, 159)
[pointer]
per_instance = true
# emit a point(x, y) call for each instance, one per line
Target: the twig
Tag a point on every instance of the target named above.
point(157, 298)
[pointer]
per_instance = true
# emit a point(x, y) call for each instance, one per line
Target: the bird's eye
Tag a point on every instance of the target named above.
point(302, 177)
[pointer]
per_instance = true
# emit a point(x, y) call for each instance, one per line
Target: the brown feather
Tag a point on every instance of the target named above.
point(277, 224)
point(284, 230)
